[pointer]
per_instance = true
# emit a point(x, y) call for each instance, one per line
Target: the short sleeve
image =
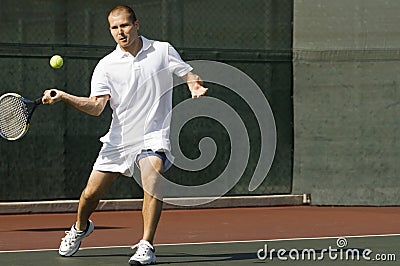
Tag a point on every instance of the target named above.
point(176, 65)
point(99, 84)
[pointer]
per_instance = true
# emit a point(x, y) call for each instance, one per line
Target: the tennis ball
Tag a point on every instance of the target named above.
point(56, 61)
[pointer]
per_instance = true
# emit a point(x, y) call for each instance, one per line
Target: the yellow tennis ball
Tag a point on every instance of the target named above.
point(56, 61)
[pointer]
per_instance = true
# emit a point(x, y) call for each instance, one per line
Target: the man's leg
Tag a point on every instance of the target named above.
point(150, 168)
point(96, 186)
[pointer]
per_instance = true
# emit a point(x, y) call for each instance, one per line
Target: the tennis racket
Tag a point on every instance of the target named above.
point(16, 113)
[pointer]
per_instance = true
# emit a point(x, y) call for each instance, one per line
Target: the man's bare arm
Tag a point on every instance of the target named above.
point(89, 105)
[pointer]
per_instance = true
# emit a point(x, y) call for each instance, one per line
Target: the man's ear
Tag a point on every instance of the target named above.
point(137, 24)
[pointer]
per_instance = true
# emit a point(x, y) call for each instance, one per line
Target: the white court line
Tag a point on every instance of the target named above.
point(219, 242)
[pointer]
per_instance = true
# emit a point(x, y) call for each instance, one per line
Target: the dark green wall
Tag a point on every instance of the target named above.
point(346, 101)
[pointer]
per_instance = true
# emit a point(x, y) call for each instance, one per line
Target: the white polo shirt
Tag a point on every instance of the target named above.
point(141, 98)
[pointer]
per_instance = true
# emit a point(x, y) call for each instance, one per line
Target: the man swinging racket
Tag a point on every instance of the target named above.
point(137, 80)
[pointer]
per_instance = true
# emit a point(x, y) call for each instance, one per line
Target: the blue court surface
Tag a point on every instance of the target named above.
point(359, 250)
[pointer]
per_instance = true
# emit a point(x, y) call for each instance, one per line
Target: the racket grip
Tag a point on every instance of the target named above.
point(39, 100)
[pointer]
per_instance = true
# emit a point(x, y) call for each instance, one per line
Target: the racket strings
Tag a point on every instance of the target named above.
point(13, 117)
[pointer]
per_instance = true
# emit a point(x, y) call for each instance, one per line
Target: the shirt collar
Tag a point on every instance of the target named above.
point(122, 54)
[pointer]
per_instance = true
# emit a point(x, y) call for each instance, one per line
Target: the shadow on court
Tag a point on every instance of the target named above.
point(215, 259)
point(378, 250)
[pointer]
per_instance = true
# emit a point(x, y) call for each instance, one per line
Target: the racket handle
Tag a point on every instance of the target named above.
point(39, 100)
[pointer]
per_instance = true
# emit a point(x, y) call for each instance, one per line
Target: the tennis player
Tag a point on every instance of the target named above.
point(137, 79)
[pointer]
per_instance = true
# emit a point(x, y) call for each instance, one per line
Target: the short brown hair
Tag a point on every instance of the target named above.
point(127, 9)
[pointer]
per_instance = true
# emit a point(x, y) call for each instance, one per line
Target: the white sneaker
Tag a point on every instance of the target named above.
point(144, 254)
point(72, 241)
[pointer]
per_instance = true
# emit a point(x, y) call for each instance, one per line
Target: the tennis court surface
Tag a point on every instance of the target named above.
point(298, 235)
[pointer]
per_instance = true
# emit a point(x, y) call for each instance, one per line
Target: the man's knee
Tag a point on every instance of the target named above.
point(152, 181)
point(98, 184)
point(153, 185)
point(90, 194)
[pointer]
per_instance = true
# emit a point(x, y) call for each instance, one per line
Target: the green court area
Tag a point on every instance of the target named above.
point(365, 250)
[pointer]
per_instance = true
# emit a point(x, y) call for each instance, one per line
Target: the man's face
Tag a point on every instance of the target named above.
point(123, 30)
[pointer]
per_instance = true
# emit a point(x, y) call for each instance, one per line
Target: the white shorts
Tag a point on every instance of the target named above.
point(123, 159)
